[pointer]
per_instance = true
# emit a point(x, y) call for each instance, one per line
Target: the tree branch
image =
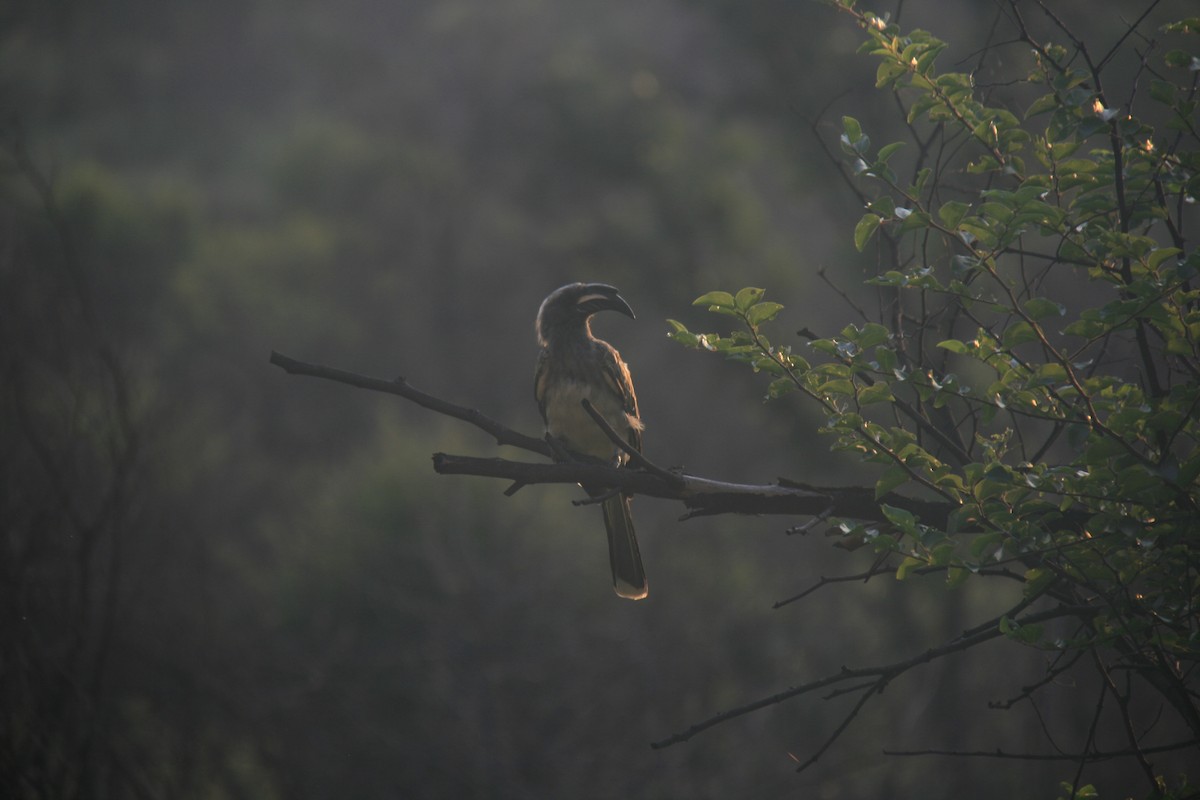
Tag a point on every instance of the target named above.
point(635, 456)
point(701, 496)
point(1090, 757)
point(884, 674)
point(401, 387)
point(882, 569)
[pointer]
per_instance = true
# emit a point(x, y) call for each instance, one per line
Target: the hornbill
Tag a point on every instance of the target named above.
point(574, 365)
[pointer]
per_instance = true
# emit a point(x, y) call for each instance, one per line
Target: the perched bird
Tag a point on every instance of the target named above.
point(574, 365)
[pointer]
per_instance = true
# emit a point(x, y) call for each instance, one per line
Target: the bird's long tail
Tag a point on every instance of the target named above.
point(629, 577)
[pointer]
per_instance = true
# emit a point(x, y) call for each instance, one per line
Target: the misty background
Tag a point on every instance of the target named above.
point(223, 581)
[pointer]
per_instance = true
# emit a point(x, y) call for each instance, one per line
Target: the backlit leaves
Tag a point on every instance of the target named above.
point(1037, 369)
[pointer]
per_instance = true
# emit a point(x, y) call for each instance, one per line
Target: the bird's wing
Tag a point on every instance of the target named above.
point(616, 374)
point(539, 383)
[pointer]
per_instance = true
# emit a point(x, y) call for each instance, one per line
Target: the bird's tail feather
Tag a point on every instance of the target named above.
point(629, 577)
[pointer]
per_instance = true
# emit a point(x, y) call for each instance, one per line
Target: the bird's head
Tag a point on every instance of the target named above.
point(571, 306)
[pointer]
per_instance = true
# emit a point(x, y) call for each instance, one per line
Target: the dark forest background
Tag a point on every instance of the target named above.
point(221, 581)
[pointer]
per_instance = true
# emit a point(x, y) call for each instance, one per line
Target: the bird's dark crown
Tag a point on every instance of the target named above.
point(571, 306)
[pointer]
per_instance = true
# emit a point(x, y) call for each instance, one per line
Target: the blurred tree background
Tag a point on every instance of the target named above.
point(219, 581)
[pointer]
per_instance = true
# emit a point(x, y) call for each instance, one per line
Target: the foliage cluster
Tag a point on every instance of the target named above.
point(1035, 364)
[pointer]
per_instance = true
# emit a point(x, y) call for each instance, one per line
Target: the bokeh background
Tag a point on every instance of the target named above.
point(222, 581)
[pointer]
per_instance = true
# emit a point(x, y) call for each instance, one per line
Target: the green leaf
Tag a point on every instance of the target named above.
point(1085, 328)
point(1040, 308)
point(715, 300)
point(1189, 471)
point(872, 334)
point(915, 220)
point(951, 213)
point(875, 393)
point(987, 489)
point(851, 128)
point(681, 334)
point(863, 230)
point(1177, 58)
point(1048, 374)
point(904, 520)
point(763, 312)
point(1036, 581)
point(1047, 102)
point(836, 386)
point(956, 576)
point(677, 326)
point(954, 346)
point(854, 141)
point(779, 387)
point(942, 554)
point(1018, 333)
point(884, 206)
point(893, 477)
point(1160, 255)
point(887, 151)
point(1025, 633)
point(918, 185)
point(1186, 25)
point(907, 565)
point(748, 297)
point(1163, 91)
point(925, 60)
point(887, 72)
point(984, 542)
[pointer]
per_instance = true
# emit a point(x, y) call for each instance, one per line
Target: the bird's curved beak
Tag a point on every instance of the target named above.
point(602, 297)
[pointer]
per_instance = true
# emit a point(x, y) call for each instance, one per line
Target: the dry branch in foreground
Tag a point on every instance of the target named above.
point(700, 496)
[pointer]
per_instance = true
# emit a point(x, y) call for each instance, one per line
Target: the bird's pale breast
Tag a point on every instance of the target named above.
point(567, 420)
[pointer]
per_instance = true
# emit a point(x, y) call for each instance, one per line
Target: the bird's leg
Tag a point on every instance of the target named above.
point(564, 454)
point(592, 500)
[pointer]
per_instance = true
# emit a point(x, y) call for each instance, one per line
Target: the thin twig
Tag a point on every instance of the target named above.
point(401, 387)
point(1126, 719)
point(874, 688)
point(823, 582)
point(1089, 757)
point(635, 456)
point(984, 632)
point(702, 495)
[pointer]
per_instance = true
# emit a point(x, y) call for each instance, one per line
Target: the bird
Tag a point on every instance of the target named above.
point(573, 365)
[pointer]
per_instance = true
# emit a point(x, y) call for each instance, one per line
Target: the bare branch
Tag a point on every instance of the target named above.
point(399, 386)
point(882, 569)
point(1027, 692)
point(978, 635)
point(823, 581)
point(1126, 718)
point(872, 689)
point(1090, 757)
point(702, 496)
